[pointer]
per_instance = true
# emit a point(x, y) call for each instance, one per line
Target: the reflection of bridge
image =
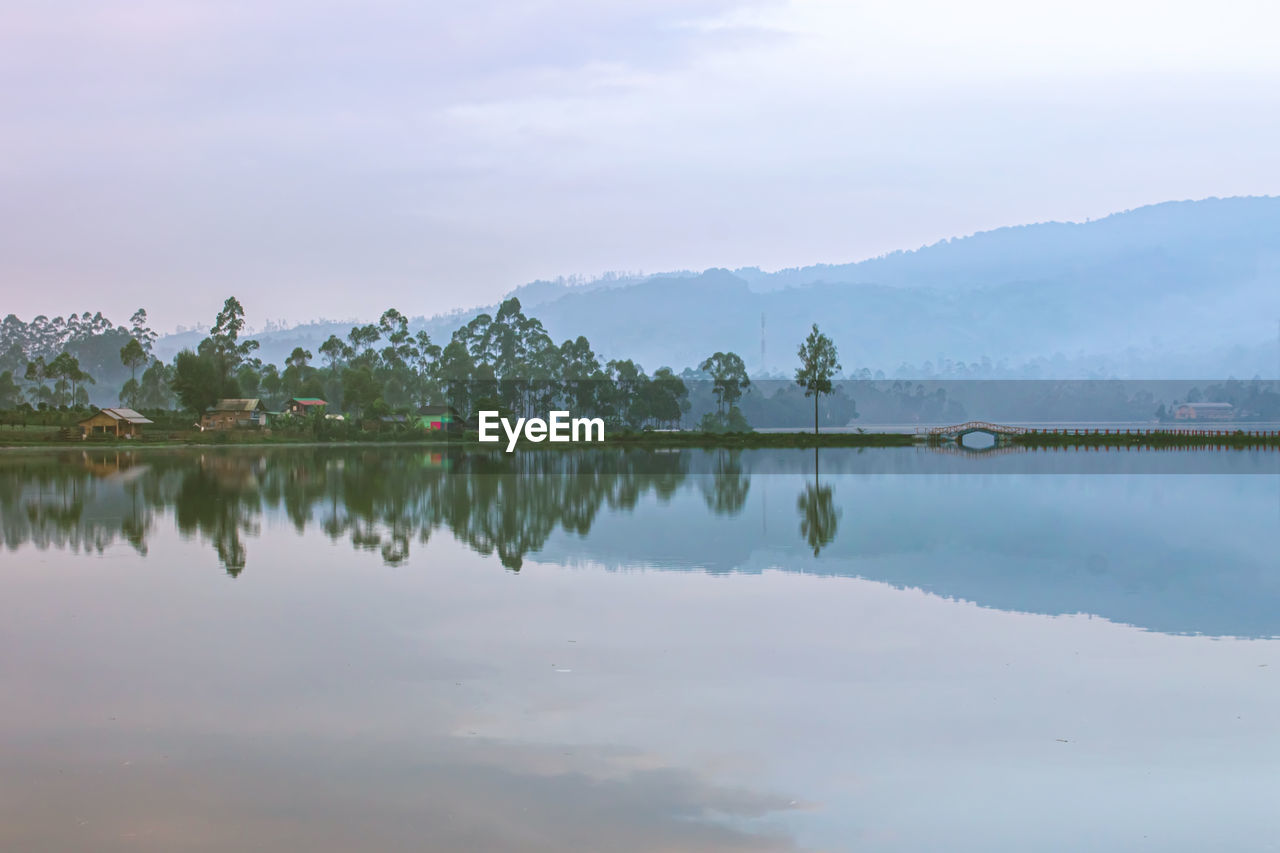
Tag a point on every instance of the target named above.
point(1000, 432)
point(958, 449)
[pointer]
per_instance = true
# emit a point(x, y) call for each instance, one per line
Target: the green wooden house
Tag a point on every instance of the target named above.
point(439, 418)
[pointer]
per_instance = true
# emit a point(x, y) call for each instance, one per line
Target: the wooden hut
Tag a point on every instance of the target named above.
point(121, 423)
point(235, 413)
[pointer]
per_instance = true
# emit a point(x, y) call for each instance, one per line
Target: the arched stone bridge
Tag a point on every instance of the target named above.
point(956, 432)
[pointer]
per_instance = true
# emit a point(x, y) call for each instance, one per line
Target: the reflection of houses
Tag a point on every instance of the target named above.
point(1204, 412)
point(304, 406)
point(237, 474)
point(435, 460)
point(235, 413)
point(121, 423)
point(112, 465)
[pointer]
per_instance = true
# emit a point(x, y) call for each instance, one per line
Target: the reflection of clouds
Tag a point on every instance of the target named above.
point(307, 794)
point(327, 702)
point(408, 719)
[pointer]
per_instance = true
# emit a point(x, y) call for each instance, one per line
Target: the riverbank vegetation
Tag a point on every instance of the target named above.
point(379, 376)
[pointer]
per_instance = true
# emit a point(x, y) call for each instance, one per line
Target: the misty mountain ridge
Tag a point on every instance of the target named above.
point(1180, 289)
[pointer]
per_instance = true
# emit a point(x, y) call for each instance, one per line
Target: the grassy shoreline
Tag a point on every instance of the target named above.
point(652, 440)
point(1162, 438)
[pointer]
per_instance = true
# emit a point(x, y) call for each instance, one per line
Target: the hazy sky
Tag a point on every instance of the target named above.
point(334, 158)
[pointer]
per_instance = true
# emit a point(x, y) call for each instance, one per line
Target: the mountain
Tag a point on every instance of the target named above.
point(1183, 289)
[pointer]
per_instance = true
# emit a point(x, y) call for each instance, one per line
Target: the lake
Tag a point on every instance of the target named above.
point(391, 649)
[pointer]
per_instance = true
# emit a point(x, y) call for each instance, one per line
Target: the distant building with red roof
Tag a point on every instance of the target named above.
point(305, 405)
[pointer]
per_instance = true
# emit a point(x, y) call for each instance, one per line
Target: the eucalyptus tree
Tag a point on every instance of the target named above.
point(36, 375)
point(10, 394)
point(819, 361)
point(297, 373)
point(45, 336)
point(13, 339)
point(520, 348)
point(230, 320)
point(197, 381)
point(507, 338)
point(426, 362)
point(153, 389)
point(455, 368)
point(299, 359)
point(580, 374)
point(62, 384)
point(132, 356)
point(362, 339)
point(79, 380)
point(474, 335)
point(335, 351)
point(68, 380)
point(668, 397)
point(395, 371)
point(83, 326)
point(220, 364)
point(223, 345)
point(141, 332)
point(623, 398)
point(360, 391)
point(729, 378)
point(12, 357)
point(507, 353)
point(393, 326)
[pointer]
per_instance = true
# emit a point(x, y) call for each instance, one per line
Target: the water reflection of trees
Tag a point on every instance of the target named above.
point(379, 499)
point(725, 491)
point(220, 498)
point(819, 516)
point(78, 502)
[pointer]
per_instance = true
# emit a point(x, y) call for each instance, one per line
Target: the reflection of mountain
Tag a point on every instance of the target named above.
point(1177, 554)
point(1171, 553)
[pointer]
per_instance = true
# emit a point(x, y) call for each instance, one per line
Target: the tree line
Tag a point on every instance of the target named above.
point(505, 361)
point(51, 363)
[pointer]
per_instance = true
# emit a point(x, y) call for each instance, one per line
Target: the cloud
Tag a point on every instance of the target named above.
point(433, 156)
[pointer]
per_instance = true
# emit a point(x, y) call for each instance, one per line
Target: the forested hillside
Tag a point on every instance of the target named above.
point(1175, 290)
point(1185, 290)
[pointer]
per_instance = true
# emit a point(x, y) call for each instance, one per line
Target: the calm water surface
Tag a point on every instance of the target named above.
point(391, 649)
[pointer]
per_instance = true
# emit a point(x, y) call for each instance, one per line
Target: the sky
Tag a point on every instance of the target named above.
point(332, 158)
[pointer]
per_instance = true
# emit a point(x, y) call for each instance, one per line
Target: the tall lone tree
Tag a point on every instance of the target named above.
point(818, 363)
point(223, 344)
point(141, 332)
point(132, 356)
